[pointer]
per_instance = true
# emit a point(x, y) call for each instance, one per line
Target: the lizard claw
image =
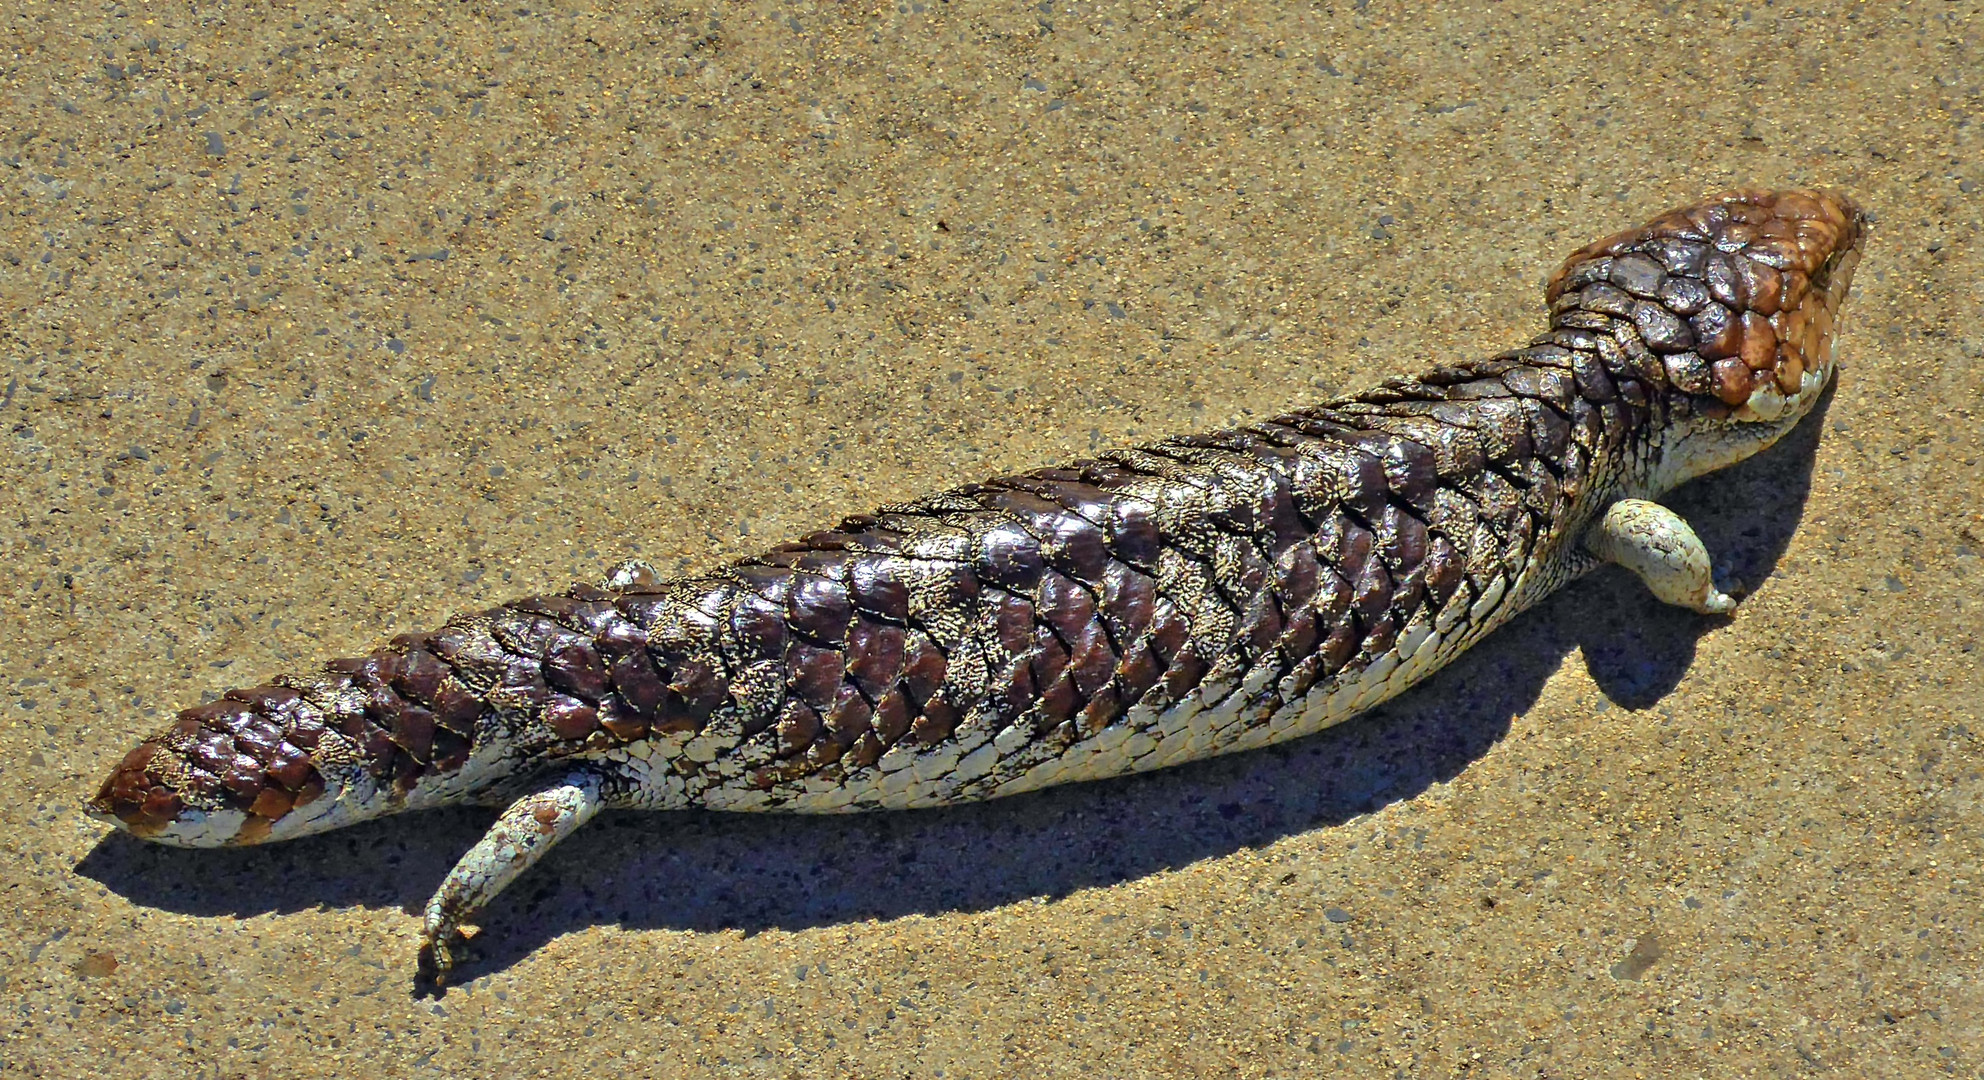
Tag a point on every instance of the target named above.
point(439, 950)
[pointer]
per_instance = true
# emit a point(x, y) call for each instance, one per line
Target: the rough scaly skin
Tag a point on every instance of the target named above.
point(1176, 600)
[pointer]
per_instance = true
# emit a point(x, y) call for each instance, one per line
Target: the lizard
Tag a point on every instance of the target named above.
point(1192, 596)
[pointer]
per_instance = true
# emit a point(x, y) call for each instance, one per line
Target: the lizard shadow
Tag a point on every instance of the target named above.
point(711, 872)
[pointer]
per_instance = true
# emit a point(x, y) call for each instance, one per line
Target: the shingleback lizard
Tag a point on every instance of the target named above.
point(1193, 596)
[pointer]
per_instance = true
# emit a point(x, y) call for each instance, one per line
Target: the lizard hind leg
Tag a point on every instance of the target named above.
point(1658, 546)
point(528, 829)
point(631, 575)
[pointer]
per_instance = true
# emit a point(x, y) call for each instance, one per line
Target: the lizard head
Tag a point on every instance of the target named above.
point(1732, 302)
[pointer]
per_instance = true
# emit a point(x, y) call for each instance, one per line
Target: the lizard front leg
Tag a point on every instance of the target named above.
point(1658, 546)
point(528, 829)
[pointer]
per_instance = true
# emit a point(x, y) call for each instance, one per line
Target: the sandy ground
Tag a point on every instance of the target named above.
point(317, 327)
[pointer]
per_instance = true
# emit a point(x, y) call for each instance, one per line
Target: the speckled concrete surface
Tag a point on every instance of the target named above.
point(319, 326)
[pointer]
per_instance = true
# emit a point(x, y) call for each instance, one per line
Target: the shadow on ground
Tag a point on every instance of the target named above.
point(709, 872)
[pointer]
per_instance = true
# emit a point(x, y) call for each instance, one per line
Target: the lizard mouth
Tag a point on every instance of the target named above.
point(1740, 294)
point(1802, 363)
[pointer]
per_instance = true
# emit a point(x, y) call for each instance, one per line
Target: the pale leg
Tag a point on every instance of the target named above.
point(631, 574)
point(526, 831)
point(1653, 542)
